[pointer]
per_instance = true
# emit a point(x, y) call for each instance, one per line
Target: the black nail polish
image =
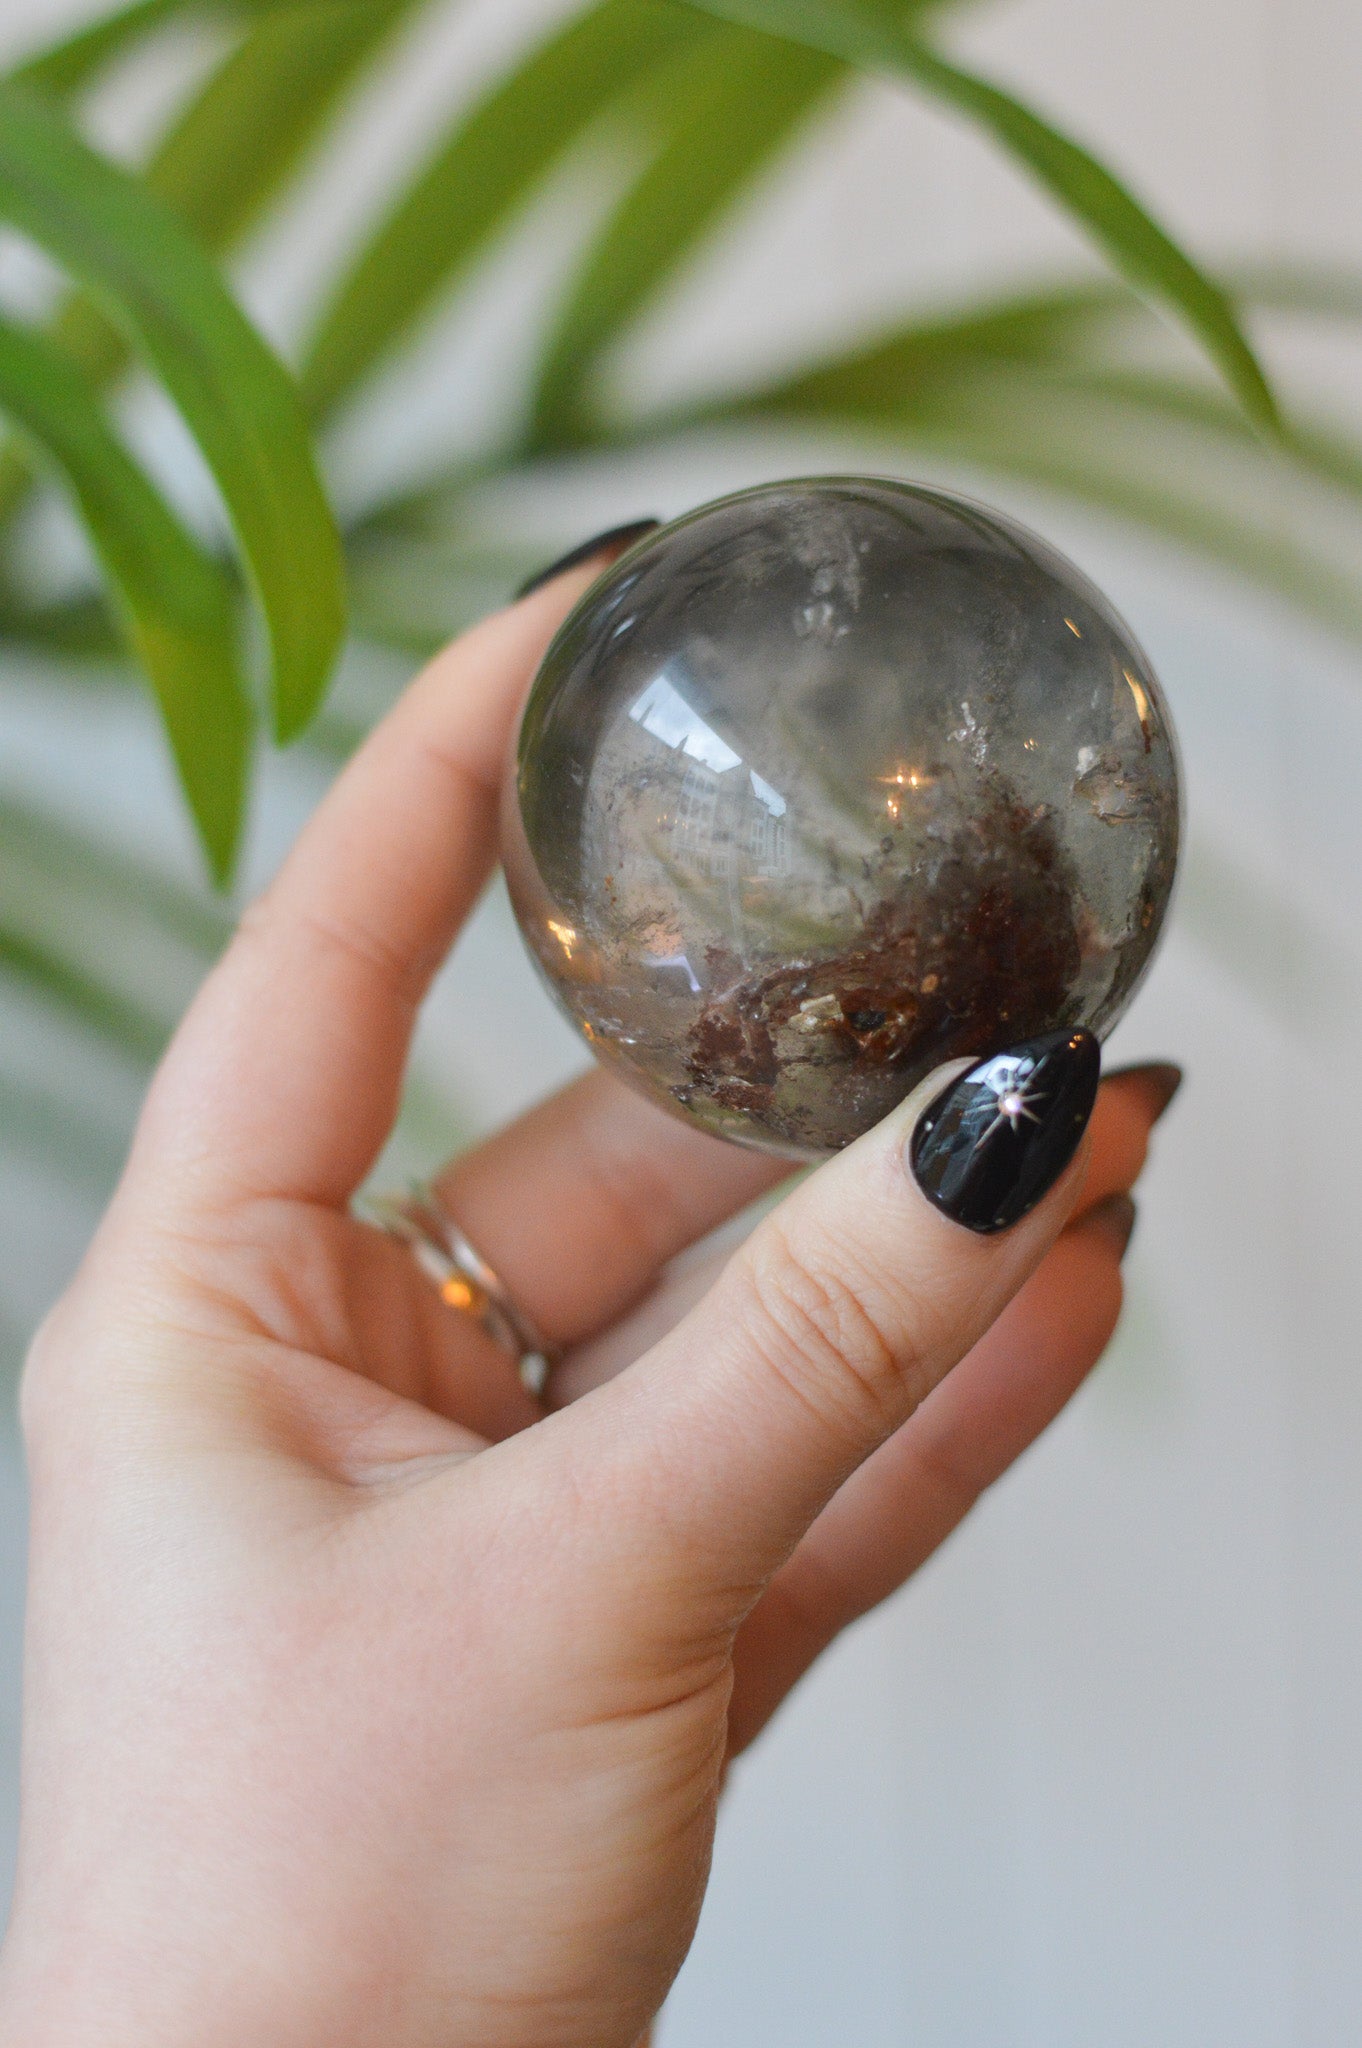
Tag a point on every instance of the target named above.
point(1162, 1078)
point(617, 537)
point(1000, 1137)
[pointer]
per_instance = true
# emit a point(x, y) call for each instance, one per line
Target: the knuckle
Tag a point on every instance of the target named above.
point(270, 921)
point(833, 1332)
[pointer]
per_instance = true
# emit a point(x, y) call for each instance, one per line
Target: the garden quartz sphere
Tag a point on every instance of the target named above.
point(826, 783)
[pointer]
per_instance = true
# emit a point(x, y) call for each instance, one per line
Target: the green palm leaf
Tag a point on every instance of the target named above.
point(873, 35)
point(68, 67)
point(115, 1015)
point(247, 128)
point(176, 602)
point(730, 100)
point(46, 1125)
point(882, 374)
point(235, 397)
point(101, 934)
point(490, 165)
point(1135, 243)
point(244, 131)
point(1145, 448)
point(231, 148)
point(1325, 454)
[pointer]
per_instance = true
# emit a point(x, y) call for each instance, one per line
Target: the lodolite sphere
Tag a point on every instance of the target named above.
point(826, 783)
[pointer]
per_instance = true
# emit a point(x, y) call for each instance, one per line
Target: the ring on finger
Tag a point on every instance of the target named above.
point(463, 1278)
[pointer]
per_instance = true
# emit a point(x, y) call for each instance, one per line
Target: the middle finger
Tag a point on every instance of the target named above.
point(580, 1203)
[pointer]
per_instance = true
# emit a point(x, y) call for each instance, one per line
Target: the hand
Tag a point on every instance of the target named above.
point(366, 1704)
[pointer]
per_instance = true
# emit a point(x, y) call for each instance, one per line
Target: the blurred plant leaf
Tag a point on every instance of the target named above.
point(246, 129)
point(730, 100)
point(873, 34)
point(104, 934)
point(1141, 446)
point(414, 593)
point(235, 397)
point(1134, 242)
point(177, 603)
point(134, 896)
point(67, 67)
point(114, 1015)
point(231, 148)
point(84, 625)
point(1318, 291)
point(1028, 386)
point(1325, 454)
point(882, 373)
point(48, 1126)
point(499, 151)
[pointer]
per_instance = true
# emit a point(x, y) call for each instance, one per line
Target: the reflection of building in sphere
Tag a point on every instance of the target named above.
point(766, 845)
point(700, 844)
point(721, 826)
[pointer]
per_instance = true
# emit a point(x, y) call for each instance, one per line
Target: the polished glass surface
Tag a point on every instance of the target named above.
point(829, 782)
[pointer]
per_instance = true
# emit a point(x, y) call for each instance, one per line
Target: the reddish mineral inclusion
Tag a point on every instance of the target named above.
point(827, 783)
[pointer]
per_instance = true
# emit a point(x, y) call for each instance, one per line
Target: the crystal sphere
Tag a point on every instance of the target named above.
point(826, 783)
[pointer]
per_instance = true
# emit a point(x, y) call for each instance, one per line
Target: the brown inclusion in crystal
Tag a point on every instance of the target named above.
point(993, 951)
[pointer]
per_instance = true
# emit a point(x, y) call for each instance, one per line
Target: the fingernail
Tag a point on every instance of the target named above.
point(1000, 1136)
point(1115, 1217)
point(617, 537)
point(1161, 1078)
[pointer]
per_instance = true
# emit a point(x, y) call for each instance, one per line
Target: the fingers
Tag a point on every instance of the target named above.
point(907, 1498)
point(1129, 1103)
point(285, 1076)
point(835, 1320)
point(579, 1204)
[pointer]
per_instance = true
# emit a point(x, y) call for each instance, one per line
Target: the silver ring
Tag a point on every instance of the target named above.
point(463, 1277)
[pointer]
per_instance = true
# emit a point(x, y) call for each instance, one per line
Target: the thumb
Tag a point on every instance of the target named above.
point(842, 1311)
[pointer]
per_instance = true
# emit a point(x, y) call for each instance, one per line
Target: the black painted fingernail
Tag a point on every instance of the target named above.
point(1162, 1078)
point(1115, 1216)
point(617, 537)
point(1000, 1137)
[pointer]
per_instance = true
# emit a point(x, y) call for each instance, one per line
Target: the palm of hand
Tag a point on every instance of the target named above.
point(327, 1575)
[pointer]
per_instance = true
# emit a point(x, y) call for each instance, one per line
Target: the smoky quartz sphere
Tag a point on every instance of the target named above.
point(829, 782)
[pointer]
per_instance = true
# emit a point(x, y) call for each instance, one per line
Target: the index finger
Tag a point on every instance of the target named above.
point(284, 1078)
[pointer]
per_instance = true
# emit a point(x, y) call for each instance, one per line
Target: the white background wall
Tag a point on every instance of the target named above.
point(1097, 1776)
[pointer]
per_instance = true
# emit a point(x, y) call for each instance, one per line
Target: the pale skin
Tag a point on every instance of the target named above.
point(366, 1704)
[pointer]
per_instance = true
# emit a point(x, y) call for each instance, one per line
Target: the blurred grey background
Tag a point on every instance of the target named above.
point(1097, 1775)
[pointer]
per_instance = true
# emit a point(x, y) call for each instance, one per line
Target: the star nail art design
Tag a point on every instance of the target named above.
point(997, 1140)
point(1010, 1080)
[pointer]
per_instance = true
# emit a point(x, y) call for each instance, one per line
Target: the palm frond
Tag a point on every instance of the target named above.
point(880, 37)
point(230, 150)
point(496, 154)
